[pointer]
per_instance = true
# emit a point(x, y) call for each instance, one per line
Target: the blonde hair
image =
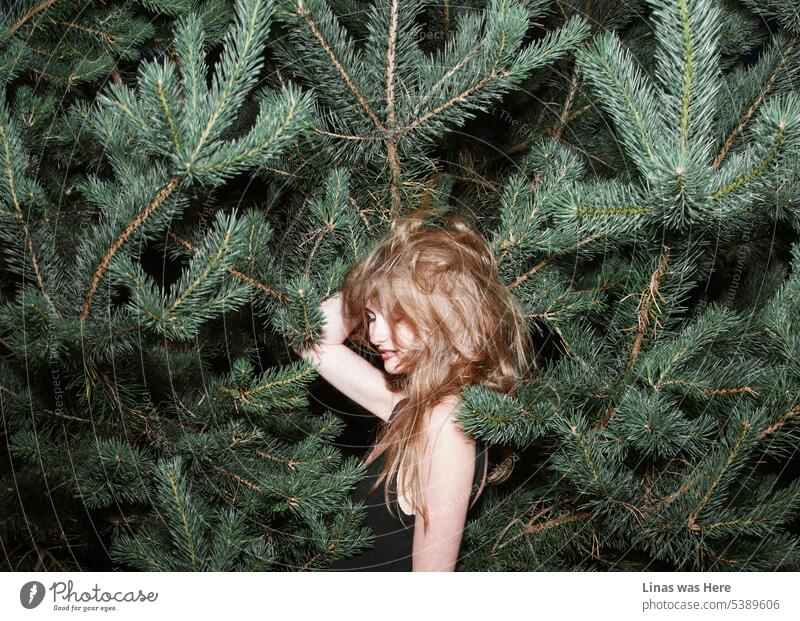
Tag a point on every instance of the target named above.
point(470, 329)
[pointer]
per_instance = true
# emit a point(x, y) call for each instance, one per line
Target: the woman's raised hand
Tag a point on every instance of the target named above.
point(343, 368)
point(336, 328)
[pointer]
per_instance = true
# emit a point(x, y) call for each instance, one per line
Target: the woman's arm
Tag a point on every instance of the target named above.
point(447, 486)
point(344, 369)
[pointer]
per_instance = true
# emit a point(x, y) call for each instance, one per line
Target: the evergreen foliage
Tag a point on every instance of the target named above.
point(182, 183)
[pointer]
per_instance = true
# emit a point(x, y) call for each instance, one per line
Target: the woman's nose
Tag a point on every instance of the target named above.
point(378, 331)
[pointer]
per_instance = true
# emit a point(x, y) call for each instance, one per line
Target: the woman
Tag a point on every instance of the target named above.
point(430, 300)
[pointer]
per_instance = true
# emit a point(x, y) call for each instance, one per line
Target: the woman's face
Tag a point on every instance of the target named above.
point(381, 337)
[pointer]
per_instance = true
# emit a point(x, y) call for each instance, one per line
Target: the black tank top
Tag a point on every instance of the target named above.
point(394, 538)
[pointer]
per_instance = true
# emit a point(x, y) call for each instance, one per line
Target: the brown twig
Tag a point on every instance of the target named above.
point(647, 302)
point(756, 103)
point(250, 281)
point(37, 9)
point(162, 196)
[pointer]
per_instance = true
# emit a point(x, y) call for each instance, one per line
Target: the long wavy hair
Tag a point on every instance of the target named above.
point(442, 280)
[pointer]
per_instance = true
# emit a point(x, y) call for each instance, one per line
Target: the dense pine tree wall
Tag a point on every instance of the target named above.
point(181, 183)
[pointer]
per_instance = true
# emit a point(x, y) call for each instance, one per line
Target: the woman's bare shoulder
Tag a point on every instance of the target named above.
point(442, 421)
point(445, 406)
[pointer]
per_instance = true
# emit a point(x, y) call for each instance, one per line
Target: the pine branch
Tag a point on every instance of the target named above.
point(169, 114)
point(333, 545)
point(318, 237)
point(571, 351)
point(34, 11)
point(648, 300)
point(214, 261)
point(731, 391)
point(769, 158)
point(687, 70)
point(236, 477)
point(184, 520)
point(12, 157)
point(732, 454)
point(32, 253)
point(273, 382)
point(755, 105)
point(430, 92)
point(627, 92)
point(791, 412)
point(391, 115)
point(323, 132)
point(234, 272)
point(563, 118)
point(279, 120)
point(162, 196)
point(8, 390)
point(555, 256)
point(460, 97)
point(740, 522)
point(361, 214)
point(537, 528)
point(241, 62)
point(303, 12)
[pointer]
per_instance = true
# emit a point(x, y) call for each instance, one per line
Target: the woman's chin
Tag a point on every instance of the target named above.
point(391, 365)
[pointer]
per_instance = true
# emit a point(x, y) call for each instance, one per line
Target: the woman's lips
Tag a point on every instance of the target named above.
point(388, 354)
